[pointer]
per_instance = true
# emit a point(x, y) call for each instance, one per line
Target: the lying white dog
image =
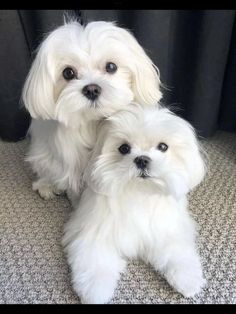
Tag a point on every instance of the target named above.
point(80, 75)
point(134, 206)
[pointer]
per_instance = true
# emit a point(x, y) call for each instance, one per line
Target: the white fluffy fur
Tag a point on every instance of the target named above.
point(121, 215)
point(63, 128)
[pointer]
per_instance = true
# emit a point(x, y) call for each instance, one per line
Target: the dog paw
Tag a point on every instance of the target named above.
point(46, 191)
point(99, 292)
point(188, 282)
point(58, 192)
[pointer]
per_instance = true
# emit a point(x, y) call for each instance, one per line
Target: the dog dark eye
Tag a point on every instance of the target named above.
point(111, 67)
point(124, 149)
point(162, 147)
point(69, 74)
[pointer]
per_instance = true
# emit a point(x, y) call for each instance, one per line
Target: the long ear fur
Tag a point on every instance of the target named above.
point(146, 81)
point(146, 76)
point(195, 164)
point(192, 156)
point(37, 94)
point(88, 177)
point(181, 182)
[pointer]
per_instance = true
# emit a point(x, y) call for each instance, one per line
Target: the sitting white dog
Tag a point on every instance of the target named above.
point(134, 205)
point(80, 75)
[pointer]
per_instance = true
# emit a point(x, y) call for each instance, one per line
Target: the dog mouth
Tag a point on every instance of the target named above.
point(144, 175)
point(94, 104)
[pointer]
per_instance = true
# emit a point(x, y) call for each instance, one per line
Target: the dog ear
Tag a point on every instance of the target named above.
point(191, 155)
point(37, 95)
point(188, 166)
point(195, 164)
point(183, 180)
point(100, 169)
point(146, 81)
point(91, 176)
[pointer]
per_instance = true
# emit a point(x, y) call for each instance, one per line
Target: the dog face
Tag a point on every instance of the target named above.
point(93, 70)
point(146, 148)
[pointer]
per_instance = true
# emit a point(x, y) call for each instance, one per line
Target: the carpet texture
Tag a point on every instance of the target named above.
point(33, 268)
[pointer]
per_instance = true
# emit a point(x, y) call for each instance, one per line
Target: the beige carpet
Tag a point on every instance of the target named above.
point(33, 268)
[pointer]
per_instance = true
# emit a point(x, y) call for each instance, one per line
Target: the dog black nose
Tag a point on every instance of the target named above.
point(91, 91)
point(142, 162)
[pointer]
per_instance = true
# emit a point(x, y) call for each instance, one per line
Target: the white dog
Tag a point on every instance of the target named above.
point(134, 205)
point(80, 75)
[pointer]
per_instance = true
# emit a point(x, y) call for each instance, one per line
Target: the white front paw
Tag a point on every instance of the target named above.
point(188, 281)
point(98, 291)
point(46, 191)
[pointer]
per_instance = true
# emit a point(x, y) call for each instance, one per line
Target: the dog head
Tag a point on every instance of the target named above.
point(152, 149)
point(93, 71)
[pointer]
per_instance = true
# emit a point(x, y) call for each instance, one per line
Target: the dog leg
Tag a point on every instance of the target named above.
point(95, 271)
point(181, 267)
